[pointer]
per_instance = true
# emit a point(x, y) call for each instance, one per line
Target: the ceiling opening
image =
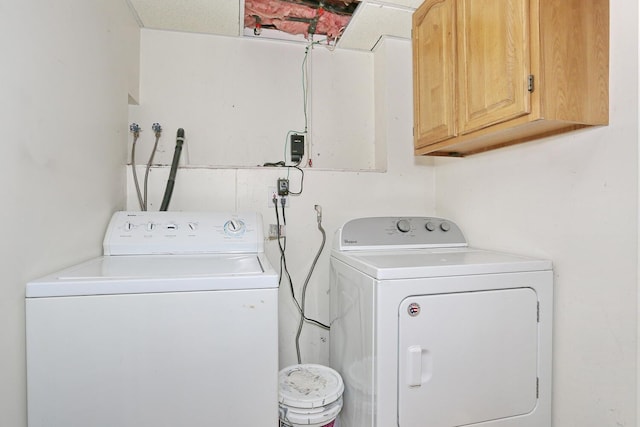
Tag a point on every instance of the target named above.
point(308, 18)
point(344, 24)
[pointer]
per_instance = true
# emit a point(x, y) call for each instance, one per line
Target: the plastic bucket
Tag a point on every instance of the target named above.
point(309, 396)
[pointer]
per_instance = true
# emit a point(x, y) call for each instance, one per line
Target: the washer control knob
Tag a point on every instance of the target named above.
point(403, 226)
point(445, 226)
point(430, 226)
point(151, 226)
point(234, 226)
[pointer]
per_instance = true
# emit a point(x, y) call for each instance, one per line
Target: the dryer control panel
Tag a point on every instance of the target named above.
point(146, 233)
point(398, 232)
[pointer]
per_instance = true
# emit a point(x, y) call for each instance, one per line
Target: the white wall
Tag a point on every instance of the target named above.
point(573, 199)
point(237, 98)
point(63, 110)
point(405, 188)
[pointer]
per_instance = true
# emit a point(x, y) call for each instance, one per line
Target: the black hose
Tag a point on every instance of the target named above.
point(174, 169)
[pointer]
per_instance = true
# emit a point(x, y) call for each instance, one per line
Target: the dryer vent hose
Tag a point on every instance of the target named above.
point(303, 316)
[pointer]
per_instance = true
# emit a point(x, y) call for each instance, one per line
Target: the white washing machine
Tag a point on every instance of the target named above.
point(428, 332)
point(177, 325)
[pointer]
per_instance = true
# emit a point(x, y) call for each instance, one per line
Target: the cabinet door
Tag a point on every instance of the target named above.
point(493, 54)
point(434, 67)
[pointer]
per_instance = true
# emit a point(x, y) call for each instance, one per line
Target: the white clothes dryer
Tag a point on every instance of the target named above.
point(428, 332)
point(176, 325)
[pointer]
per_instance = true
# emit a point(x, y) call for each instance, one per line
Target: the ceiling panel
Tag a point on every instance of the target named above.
point(200, 16)
point(373, 20)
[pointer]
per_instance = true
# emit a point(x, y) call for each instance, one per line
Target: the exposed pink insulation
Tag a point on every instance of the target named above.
point(295, 18)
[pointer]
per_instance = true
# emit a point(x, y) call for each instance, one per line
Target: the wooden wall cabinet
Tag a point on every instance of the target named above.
point(492, 73)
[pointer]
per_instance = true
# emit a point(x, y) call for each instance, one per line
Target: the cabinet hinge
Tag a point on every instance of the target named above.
point(538, 312)
point(537, 388)
point(530, 83)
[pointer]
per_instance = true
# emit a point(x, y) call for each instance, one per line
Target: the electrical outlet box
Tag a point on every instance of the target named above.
point(272, 193)
point(273, 231)
point(283, 186)
point(297, 148)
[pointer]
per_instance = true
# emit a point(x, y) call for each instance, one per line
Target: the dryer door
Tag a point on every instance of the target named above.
point(467, 357)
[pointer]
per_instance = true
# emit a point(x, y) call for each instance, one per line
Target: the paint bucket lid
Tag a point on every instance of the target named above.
point(309, 386)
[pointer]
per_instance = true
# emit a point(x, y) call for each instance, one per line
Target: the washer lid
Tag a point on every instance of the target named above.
point(424, 263)
point(109, 275)
point(309, 386)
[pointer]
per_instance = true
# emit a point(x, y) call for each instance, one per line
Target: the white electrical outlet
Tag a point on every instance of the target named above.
point(273, 192)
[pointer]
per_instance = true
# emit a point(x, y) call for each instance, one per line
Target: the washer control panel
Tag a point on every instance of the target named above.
point(136, 233)
point(404, 232)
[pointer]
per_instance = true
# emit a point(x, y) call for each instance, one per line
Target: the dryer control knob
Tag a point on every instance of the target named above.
point(445, 226)
point(430, 226)
point(403, 226)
